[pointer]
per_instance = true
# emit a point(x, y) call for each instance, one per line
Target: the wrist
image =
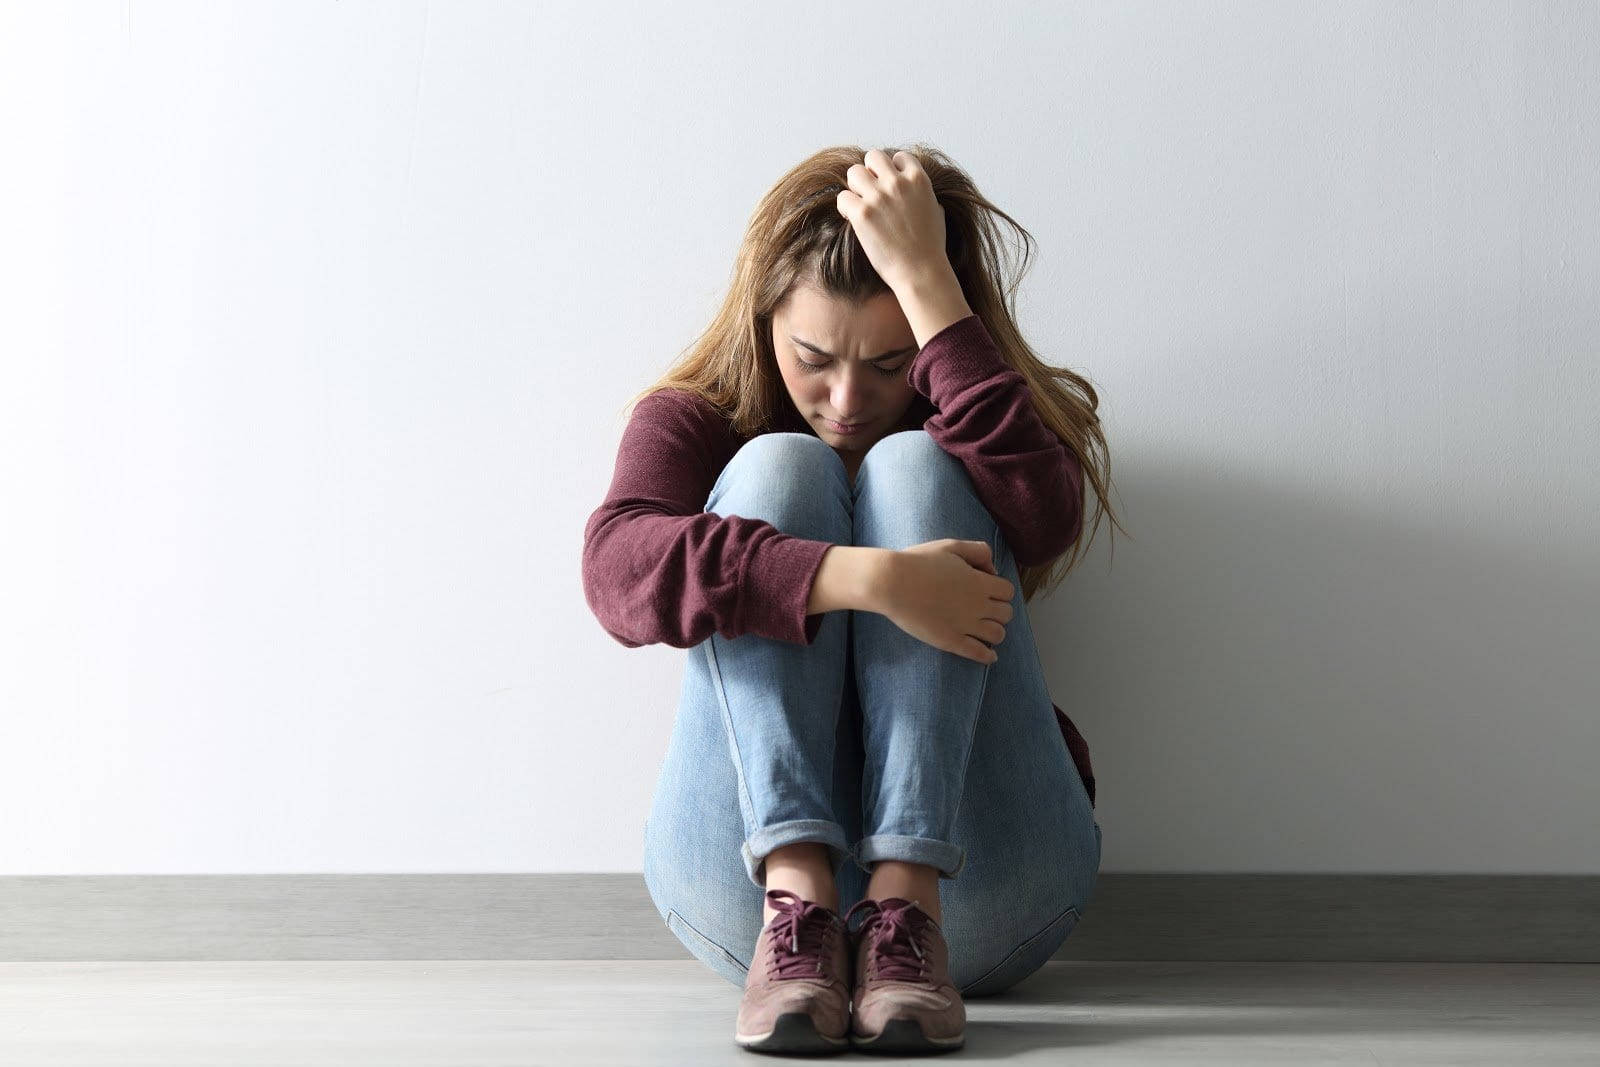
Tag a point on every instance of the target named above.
point(929, 280)
point(854, 577)
point(932, 300)
point(878, 574)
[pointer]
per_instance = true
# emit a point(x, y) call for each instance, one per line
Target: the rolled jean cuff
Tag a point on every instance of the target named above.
point(946, 857)
point(825, 831)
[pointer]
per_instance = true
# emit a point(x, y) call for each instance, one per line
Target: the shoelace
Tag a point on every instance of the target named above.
point(803, 930)
point(892, 937)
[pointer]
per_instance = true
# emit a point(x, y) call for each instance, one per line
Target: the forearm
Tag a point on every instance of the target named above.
point(931, 301)
point(851, 577)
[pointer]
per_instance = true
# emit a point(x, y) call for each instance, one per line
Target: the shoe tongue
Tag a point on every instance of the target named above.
point(910, 913)
point(800, 932)
point(897, 927)
point(783, 901)
point(907, 907)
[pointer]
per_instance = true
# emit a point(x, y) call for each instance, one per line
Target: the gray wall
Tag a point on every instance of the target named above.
point(320, 317)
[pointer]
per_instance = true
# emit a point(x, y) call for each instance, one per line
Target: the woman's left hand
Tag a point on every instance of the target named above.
point(896, 217)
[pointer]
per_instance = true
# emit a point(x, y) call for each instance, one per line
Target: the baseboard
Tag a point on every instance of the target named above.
point(1454, 918)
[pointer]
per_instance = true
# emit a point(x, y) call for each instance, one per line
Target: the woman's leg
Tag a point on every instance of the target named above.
point(965, 770)
point(760, 756)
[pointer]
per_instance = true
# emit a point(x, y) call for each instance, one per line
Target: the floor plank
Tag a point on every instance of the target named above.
point(677, 1012)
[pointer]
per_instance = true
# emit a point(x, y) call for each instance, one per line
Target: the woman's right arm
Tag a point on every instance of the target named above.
point(852, 577)
point(659, 568)
point(946, 592)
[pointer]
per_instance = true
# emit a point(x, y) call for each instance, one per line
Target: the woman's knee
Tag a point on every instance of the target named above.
point(774, 458)
point(909, 488)
point(793, 480)
point(912, 454)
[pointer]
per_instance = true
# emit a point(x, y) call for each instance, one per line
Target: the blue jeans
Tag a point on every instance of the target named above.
point(870, 741)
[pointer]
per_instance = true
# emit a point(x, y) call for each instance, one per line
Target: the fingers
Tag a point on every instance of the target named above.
point(974, 649)
point(998, 611)
point(861, 181)
point(906, 163)
point(846, 203)
point(986, 555)
point(877, 161)
point(1001, 590)
point(878, 169)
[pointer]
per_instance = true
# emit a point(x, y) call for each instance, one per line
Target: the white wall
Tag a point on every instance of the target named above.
point(319, 317)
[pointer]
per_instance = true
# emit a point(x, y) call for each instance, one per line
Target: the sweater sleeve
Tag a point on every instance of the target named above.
point(1079, 750)
point(658, 567)
point(1028, 479)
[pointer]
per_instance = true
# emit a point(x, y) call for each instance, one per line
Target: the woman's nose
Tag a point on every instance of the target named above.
point(847, 398)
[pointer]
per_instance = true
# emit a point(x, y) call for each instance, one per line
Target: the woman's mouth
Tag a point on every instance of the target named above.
point(841, 427)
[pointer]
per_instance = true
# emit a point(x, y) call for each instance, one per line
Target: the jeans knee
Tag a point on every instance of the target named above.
point(798, 456)
point(792, 480)
point(908, 488)
point(911, 453)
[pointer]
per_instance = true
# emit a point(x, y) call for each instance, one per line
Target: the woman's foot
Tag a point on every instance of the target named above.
point(903, 1000)
point(797, 990)
point(805, 869)
point(908, 881)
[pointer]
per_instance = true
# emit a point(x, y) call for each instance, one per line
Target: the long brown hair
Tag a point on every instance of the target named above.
point(796, 235)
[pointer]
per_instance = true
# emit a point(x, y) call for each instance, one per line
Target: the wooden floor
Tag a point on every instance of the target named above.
point(678, 1012)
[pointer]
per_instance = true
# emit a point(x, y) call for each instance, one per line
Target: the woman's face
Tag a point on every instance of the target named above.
point(851, 368)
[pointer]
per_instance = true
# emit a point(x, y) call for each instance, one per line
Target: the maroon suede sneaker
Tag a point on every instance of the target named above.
point(797, 991)
point(904, 1001)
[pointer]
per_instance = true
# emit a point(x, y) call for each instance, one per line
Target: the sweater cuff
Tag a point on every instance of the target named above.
point(777, 588)
point(957, 357)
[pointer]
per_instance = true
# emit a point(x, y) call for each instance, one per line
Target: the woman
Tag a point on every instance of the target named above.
point(839, 501)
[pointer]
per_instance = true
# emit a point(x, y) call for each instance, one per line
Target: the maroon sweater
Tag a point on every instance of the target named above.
point(659, 568)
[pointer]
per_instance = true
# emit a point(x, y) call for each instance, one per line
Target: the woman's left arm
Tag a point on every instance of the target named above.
point(1028, 479)
point(892, 210)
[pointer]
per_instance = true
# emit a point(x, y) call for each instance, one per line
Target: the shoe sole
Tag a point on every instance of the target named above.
point(794, 1032)
point(905, 1035)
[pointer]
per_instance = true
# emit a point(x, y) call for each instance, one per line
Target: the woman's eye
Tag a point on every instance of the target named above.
point(818, 368)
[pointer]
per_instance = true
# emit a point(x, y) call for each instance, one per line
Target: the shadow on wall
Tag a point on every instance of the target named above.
point(1310, 685)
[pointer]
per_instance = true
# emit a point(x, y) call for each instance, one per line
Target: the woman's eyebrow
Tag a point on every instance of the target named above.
point(875, 359)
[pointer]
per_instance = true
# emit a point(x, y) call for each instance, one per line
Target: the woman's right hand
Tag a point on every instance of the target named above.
point(948, 594)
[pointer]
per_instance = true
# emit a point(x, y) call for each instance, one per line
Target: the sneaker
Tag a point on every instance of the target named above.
point(904, 1000)
point(797, 991)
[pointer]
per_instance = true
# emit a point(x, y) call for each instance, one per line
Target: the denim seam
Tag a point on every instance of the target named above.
point(745, 801)
point(972, 732)
point(1012, 955)
point(709, 944)
point(983, 691)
